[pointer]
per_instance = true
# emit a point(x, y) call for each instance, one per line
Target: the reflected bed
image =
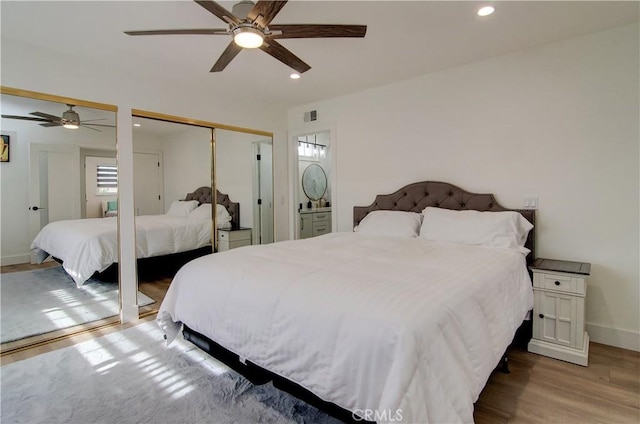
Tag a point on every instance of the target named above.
point(87, 246)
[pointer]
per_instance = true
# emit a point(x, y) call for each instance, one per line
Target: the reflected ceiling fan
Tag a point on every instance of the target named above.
point(69, 119)
point(249, 26)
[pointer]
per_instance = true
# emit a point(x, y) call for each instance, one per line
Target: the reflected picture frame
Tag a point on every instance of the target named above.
point(5, 149)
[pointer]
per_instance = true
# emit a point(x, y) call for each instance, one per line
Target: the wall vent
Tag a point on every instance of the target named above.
point(311, 116)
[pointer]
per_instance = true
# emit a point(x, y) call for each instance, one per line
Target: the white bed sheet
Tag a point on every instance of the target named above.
point(393, 325)
point(89, 245)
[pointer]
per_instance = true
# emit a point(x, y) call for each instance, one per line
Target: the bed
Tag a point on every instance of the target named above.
point(87, 246)
point(377, 324)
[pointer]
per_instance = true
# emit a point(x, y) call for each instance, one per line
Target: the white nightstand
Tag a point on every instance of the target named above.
point(559, 289)
point(231, 239)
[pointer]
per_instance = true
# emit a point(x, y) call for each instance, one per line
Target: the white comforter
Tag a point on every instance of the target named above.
point(404, 327)
point(89, 245)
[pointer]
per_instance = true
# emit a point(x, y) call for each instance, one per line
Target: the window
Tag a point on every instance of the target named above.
point(107, 179)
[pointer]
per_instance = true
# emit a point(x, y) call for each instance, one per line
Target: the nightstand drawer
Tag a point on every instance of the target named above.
point(234, 235)
point(559, 282)
point(321, 217)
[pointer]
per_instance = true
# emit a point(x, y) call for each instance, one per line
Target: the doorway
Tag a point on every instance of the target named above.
point(313, 182)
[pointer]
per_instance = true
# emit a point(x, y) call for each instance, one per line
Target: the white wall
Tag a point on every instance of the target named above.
point(559, 122)
point(187, 163)
point(234, 163)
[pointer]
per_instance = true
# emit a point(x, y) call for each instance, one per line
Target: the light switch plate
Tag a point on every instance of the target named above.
point(530, 202)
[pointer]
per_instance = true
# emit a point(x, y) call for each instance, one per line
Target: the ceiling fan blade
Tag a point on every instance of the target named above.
point(267, 9)
point(202, 31)
point(51, 124)
point(89, 128)
point(84, 124)
point(227, 56)
point(278, 51)
point(219, 11)
point(318, 31)
point(26, 118)
point(46, 116)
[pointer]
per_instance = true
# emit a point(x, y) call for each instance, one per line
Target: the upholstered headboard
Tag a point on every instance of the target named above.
point(203, 195)
point(417, 196)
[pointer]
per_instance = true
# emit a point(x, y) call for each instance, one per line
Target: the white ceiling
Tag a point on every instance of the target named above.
point(404, 40)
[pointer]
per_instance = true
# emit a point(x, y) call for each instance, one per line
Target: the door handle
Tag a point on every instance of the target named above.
point(35, 208)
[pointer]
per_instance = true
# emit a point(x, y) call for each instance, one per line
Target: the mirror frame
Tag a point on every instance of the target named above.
point(304, 181)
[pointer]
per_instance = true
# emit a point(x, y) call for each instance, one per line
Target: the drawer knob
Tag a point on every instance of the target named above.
point(541, 315)
point(557, 283)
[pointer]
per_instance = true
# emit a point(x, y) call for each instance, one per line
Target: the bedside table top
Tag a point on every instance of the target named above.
point(543, 264)
point(235, 229)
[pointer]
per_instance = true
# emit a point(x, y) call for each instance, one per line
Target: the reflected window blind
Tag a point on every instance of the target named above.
point(107, 178)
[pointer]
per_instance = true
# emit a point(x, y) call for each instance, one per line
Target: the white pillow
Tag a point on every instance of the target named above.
point(182, 208)
point(201, 212)
point(499, 229)
point(390, 224)
point(223, 214)
point(204, 211)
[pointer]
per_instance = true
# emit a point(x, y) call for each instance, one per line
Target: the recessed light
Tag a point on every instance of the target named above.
point(136, 125)
point(486, 11)
point(294, 76)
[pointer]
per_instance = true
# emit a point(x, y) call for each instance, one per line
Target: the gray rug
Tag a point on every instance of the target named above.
point(132, 377)
point(45, 300)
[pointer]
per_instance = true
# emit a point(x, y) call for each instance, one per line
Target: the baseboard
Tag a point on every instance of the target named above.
point(575, 356)
point(624, 339)
point(15, 259)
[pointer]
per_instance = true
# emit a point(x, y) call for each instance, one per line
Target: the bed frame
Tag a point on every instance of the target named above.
point(412, 198)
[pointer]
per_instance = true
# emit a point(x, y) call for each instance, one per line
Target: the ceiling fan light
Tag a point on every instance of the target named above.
point(70, 120)
point(248, 37)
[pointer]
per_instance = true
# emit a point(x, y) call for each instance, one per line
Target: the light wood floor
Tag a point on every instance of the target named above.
point(538, 389)
point(31, 346)
point(545, 390)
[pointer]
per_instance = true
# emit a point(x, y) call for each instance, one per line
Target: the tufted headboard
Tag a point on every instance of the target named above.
point(203, 195)
point(417, 196)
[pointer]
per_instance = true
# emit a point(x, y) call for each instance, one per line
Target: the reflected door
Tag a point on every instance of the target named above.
point(147, 184)
point(53, 186)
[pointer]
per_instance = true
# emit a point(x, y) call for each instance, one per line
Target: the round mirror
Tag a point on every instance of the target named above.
point(314, 182)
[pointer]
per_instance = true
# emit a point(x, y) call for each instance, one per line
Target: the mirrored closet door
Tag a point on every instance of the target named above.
point(213, 180)
point(59, 186)
point(171, 162)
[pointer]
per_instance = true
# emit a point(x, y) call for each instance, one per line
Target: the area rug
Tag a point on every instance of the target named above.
point(45, 300)
point(132, 376)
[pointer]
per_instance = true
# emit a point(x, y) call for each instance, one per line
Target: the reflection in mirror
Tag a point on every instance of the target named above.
point(170, 161)
point(58, 242)
point(244, 171)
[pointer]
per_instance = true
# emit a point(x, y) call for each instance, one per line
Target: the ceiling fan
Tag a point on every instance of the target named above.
point(69, 119)
point(249, 26)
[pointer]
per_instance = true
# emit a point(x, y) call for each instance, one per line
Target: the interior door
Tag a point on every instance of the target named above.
point(54, 185)
point(147, 183)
